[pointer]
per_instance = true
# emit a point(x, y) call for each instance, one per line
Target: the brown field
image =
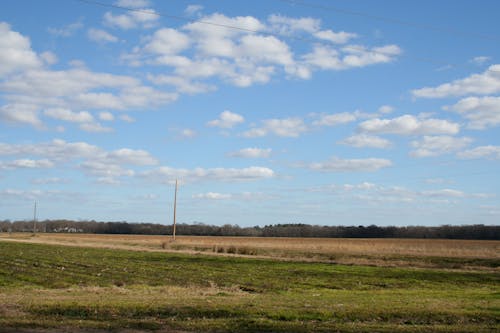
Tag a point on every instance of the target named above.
point(463, 254)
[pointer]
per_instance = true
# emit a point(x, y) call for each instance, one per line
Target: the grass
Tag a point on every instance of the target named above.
point(52, 286)
point(425, 253)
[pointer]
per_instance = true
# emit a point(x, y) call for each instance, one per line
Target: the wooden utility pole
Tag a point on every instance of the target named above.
point(34, 220)
point(175, 210)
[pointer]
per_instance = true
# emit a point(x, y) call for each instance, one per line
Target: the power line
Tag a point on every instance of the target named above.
point(268, 33)
point(394, 20)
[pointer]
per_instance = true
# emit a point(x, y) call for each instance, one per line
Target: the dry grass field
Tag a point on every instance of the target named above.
point(468, 254)
point(100, 283)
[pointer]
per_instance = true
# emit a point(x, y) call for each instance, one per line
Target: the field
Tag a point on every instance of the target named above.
point(215, 284)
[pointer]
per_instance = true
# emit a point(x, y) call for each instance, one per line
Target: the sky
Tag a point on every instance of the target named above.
point(319, 112)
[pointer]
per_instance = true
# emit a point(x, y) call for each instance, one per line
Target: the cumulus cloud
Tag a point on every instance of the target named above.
point(481, 112)
point(227, 119)
point(106, 116)
point(212, 196)
point(409, 125)
point(193, 9)
point(140, 15)
point(286, 127)
point(27, 164)
point(489, 152)
point(438, 145)
point(366, 141)
point(101, 36)
point(168, 174)
point(485, 83)
point(68, 115)
point(15, 51)
point(66, 31)
point(335, 119)
point(252, 153)
point(91, 159)
point(336, 164)
point(250, 52)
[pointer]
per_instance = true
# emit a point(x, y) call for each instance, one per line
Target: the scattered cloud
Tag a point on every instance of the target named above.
point(481, 112)
point(139, 17)
point(438, 145)
point(26, 164)
point(15, 52)
point(68, 30)
point(409, 125)
point(366, 141)
point(212, 196)
point(127, 118)
point(227, 119)
point(106, 116)
point(101, 36)
point(68, 115)
point(192, 10)
point(335, 119)
point(51, 180)
point(252, 153)
point(479, 60)
point(169, 175)
point(287, 127)
point(485, 83)
point(336, 164)
point(489, 152)
point(385, 109)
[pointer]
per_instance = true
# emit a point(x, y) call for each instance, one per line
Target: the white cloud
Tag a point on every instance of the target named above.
point(328, 58)
point(48, 57)
point(168, 175)
point(252, 153)
point(106, 116)
point(193, 9)
point(335, 164)
point(481, 112)
point(335, 119)
point(182, 84)
point(287, 127)
point(68, 115)
point(227, 119)
point(130, 156)
point(284, 25)
point(51, 180)
point(27, 164)
point(368, 141)
point(479, 60)
point(95, 128)
point(15, 51)
point(101, 36)
point(212, 196)
point(133, 3)
point(438, 145)
point(409, 125)
point(385, 109)
point(491, 152)
point(139, 17)
point(127, 118)
point(19, 113)
point(485, 83)
point(341, 37)
point(188, 133)
point(66, 31)
point(167, 41)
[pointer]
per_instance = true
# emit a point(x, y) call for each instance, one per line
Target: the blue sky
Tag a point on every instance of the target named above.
point(319, 112)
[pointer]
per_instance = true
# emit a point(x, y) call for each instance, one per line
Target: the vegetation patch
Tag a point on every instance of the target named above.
point(48, 286)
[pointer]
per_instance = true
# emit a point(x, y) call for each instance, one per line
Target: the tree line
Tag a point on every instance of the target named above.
point(477, 231)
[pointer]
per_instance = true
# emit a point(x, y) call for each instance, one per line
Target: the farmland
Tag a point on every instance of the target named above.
point(247, 284)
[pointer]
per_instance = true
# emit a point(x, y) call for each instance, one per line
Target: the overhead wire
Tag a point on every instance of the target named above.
point(393, 20)
point(268, 33)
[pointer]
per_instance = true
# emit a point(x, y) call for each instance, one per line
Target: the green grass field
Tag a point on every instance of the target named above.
point(47, 287)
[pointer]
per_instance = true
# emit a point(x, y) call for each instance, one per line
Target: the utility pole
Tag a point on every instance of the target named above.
point(34, 220)
point(175, 209)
